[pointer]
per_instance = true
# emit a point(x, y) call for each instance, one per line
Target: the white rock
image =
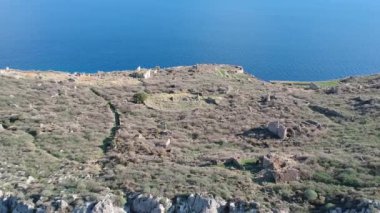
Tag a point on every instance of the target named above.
point(106, 206)
point(278, 129)
point(30, 180)
point(147, 74)
point(197, 203)
point(167, 143)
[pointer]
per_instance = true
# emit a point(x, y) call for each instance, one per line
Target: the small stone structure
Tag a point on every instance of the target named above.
point(282, 169)
point(145, 74)
point(278, 129)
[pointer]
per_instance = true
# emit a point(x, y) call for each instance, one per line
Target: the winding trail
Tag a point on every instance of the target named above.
point(109, 141)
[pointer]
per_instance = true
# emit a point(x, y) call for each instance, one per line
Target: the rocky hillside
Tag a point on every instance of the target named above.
point(204, 138)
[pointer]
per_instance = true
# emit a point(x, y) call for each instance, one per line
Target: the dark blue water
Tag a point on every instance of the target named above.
point(273, 39)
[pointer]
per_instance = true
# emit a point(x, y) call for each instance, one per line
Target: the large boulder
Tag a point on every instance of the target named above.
point(106, 206)
point(278, 129)
point(149, 204)
point(197, 203)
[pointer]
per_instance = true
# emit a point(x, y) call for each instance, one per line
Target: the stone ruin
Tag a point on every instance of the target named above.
point(145, 74)
point(282, 169)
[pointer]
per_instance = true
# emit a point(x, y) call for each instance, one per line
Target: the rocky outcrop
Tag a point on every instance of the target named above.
point(198, 203)
point(365, 206)
point(138, 203)
point(242, 207)
point(106, 205)
point(149, 204)
point(12, 204)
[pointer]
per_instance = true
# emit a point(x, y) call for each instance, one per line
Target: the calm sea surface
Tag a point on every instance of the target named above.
point(272, 39)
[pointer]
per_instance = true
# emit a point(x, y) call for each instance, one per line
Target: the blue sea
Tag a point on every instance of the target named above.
point(272, 39)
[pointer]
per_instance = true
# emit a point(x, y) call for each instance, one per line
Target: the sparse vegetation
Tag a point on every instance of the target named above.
point(55, 131)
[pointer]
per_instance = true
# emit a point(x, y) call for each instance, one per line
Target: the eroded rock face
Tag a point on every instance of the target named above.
point(278, 129)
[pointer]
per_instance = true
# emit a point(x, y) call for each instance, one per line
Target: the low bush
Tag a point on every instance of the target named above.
point(323, 177)
point(140, 97)
point(310, 195)
point(348, 177)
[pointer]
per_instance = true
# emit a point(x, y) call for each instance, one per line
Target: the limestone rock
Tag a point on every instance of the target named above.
point(147, 204)
point(197, 203)
point(1, 128)
point(106, 205)
point(278, 129)
point(242, 207)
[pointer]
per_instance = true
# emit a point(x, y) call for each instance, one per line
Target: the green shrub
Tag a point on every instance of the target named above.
point(323, 177)
point(329, 206)
point(140, 98)
point(310, 195)
point(348, 177)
